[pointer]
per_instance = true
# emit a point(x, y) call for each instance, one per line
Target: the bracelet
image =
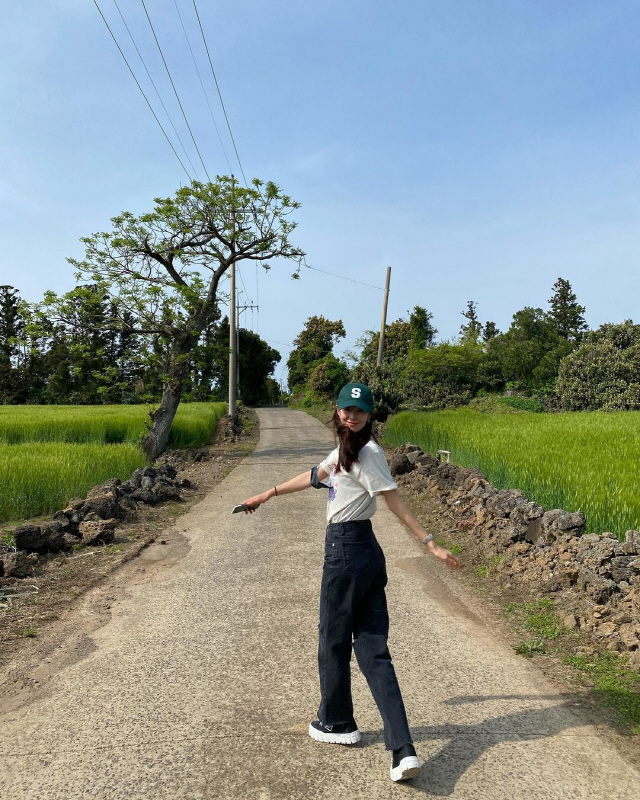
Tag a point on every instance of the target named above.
point(427, 539)
point(276, 491)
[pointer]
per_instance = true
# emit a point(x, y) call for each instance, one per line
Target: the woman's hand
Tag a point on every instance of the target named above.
point(256, 501)
point(444, 555)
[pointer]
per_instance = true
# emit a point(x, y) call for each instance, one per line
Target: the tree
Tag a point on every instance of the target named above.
point(313, 343)
point(527, 355)
point(604, 372)
point(422, 331)
point(257, 362)
point(327, 378)
point(164, 268)
point(490, 331)
point(12, 325)
point(470, 330)
point(566, 313)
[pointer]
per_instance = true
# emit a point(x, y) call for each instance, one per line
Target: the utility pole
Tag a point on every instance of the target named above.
point(240, 308)
point(233, 345)
point(384, 318)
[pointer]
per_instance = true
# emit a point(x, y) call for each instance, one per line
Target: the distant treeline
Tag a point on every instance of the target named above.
point(547, 355)
point(85, 357)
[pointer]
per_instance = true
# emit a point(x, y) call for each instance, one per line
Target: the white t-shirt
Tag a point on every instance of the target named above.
point(352, 495)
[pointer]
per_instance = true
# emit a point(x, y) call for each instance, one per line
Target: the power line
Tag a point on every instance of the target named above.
point(219, 93)
point(344, 278)
point(193, 139)
point(154, 86)
point(142, 91)
point(206, 96)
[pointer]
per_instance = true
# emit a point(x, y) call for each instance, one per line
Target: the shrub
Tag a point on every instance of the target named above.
point(604, 373)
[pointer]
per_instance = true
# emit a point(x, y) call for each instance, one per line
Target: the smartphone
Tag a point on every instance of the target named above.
point(241, 507)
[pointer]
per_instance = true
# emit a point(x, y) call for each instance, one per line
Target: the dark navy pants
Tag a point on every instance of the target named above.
point(353, 613)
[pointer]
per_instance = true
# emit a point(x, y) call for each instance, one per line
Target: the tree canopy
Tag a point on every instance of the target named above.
point(163, 269)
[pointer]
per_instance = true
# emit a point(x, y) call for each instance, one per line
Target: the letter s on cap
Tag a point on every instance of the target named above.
point(356, 391)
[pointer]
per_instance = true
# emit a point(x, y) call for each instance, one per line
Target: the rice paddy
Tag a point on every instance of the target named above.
point(578, 460)
point(49, 454)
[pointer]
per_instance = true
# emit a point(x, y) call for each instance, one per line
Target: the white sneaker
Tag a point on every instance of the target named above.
point(334, 734)
point(405, 764)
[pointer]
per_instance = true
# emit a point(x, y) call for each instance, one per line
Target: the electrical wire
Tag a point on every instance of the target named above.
point(344, 278)
point(155, 116)
point(164, 61)
point(219, 93)
point(206, 96)
point(133, 41)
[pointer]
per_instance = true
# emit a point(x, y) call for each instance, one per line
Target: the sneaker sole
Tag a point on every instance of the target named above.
point(408, 768)
point(334, 738)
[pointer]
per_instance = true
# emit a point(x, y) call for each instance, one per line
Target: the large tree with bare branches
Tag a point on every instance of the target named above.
point(163, 269)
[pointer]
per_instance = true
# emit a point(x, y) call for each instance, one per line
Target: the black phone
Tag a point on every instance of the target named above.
point(241, 507)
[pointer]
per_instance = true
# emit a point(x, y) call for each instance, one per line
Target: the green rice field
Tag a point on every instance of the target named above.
point(49, 454)
point(577, 460)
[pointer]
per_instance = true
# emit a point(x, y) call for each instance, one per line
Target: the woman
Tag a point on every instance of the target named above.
point(353, 607)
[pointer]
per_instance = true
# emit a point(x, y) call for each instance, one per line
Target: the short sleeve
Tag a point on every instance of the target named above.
point(328, 465)
point(374, 471)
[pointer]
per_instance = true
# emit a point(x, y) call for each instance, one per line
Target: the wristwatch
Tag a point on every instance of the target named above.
point(427, 539)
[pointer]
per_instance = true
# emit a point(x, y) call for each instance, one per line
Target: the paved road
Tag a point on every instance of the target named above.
point(203, 683)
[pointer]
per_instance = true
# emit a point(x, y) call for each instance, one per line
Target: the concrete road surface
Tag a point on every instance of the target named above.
point(203, 683)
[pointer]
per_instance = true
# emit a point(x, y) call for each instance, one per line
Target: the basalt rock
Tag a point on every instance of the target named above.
point(164, 492)
point(30, 538)
point(16, 565)
point(400, 464)
point(101, 531)
point(504, 501)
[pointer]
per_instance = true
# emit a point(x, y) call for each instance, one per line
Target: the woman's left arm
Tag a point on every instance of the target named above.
point(297, 484)
point(396, 504)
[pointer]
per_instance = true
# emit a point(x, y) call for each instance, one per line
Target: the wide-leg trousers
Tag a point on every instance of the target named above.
point(353, 614)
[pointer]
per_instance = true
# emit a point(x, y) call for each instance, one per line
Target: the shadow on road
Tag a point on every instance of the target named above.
point(467, 743)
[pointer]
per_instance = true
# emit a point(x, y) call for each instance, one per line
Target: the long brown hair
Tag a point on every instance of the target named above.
point(350, 443)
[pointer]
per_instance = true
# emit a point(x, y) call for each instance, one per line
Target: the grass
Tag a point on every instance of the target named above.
point(49, 454)
point(577, 460)
point(191, 427)
point(538, 619)
point(530, 648)
point(41, 478)
point(321, 411)
point(615, 685)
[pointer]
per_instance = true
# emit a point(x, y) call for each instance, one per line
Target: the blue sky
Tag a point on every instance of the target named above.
point(480, 148)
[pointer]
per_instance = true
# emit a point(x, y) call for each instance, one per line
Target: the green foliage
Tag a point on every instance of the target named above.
point(313, 344)
point(453, 364)
point(470, 330)
point(497, 404)
point(523, 404)
point(326, 379)
point(572, 460)
point(615, 684)
point(604, 373)
point(528, 355)
point(566, 313)
point(257, 360)
point(531, 647)
point(422, 333)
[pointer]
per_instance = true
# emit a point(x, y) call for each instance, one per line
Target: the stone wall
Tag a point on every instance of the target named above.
point(91, 520)
point(595, 577)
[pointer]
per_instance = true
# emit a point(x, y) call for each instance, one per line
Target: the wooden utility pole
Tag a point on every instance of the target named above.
point(240, 308)
point(233, 352)
point(233, 344)
point(384, 318)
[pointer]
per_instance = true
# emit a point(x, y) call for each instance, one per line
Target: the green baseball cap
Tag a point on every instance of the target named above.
point(356, 394)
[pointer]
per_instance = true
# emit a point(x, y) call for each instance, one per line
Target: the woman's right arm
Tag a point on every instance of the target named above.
point(297, 484)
